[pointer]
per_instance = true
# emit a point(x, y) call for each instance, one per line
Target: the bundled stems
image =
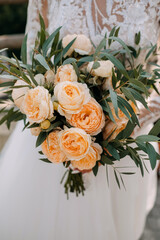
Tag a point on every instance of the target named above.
point(74, 182)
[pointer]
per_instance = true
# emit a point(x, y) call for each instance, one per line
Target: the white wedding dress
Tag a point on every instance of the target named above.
point(33, 205)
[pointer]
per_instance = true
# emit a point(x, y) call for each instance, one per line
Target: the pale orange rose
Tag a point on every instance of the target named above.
point(114, 128)
point(51, 148)
point(66, 73)
point(91, 118)
point(35, 131)
point(81, 45)
point(75, 143)
point(66, 40)
point(89, 161)
point(37, 105)
point(71, 97)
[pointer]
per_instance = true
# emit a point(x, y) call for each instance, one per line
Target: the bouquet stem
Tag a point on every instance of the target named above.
point(73, 183)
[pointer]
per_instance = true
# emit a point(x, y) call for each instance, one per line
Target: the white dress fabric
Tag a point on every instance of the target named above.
point(33, 205)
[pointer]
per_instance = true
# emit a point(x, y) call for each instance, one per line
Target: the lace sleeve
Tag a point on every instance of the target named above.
point(34, 8)
point(153, 115)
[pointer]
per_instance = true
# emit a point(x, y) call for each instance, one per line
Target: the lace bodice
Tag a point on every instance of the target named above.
point(94, 18)
point(97, 17)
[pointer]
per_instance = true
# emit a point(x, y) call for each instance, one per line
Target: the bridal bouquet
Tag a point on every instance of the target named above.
point(80, 101)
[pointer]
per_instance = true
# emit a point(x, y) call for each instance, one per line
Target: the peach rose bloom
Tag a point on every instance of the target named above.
point(89, 161)
point(75, 143)
point(104, 70)
point(71, 97)
point(50, 76)
point(116, 128)
point(91, 118)
point(108, 83)
point(66, 73)
point(19, 93)
point(37, 105)
point(51, 148)
point(66, 40)
point(35, 131)
point(82, 44)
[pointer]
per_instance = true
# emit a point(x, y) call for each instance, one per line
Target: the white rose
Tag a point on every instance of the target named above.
point(82, 44)
point(66, 73)
point(104, 70)
point(50, 76)
point(39, 79)
point(37, 105)
point(19, 93)
point(71, 97)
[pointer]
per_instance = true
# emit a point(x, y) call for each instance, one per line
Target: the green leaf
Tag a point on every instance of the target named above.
point(122, 44)
point(33, 125)
point(6, 84)
point(128, 173)
point(107, 109)
point(151, 51)
point(117, 180)
point(95, 169)
point(41, 138)
point(152, 155)
point(107, 175)
point(156, 129)
point(76, 68)
point(100, 46)
point(45, 160)
point(42, 61)
point(48, 43)
point(129, 108)
point(3, 67)
point(123, 109)
point(69, 61)
point(137, 38)
point(138, 97)
point(95, 65)
point(110, 35)
point(117, 63)
point(113, 95)
point(140, 85)
point(113, 151)
point(59, 56)
point(147, 138)
point(106, 160)
point(42, 22)
point(32, 76)
point(86, 59)
point(127, 131)
point(128, 94)
point(24, 50)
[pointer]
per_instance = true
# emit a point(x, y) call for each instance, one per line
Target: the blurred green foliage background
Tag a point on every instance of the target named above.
point(12, 21)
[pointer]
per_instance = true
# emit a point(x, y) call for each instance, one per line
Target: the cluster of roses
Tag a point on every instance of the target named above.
point(71, 99)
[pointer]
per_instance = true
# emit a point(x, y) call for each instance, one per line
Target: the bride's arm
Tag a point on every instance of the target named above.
point(146, 117)
point(35, 7)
